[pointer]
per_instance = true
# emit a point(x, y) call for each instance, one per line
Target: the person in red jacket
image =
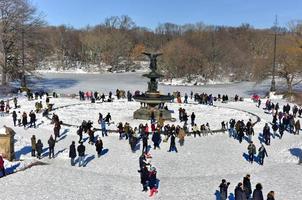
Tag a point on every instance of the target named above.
point(2, 165)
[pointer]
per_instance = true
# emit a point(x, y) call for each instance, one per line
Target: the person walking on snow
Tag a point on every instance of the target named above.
point(145, 143)
point(186, 98)
point(297, 127)
point(72, 153)
point(239, 192)
point(56, 130)
point(252, 151)
point(193, 119)
point(144, 178)
point(247, 186)
point(223, 188)
point(39, 147)
point(99, 147)
point(156, 139)
point(261, 154)
point(104, 129)
point(267, 134)
point(275, 128)
point(80, 133)
point(172, 144)
point(108, 118)
point(81, 153)
point(32, 119)
point(257, 193)
point(152, 181)
point(51, 144)
point(33, 146)
point(24, 119)
point(15, 118)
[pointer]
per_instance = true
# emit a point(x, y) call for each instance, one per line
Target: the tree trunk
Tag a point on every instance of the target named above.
point(3, 77)
point(4, 73)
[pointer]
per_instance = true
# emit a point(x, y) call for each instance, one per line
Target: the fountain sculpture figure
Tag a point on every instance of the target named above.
point(152, 101)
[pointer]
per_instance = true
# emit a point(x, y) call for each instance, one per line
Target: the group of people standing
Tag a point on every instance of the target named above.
point(243, 190)
point(148, 174)
point(238, 129)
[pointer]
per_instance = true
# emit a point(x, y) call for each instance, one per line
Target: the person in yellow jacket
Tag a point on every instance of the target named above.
point(181, 136)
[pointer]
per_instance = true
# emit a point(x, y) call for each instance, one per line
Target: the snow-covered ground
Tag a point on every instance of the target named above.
point(121, 111)
point(193, 173)
point(196, 80)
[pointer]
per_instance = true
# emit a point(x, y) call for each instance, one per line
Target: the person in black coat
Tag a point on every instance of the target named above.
point(275, 128)
point(108, 118)
point(99, 147)
point(80, 133)
point(261, 154)
point(24, 119)
point(257, 193)
point(39, 147)
point(185, 117)
point(72, 153)
point(239, 192)
point(156, 139)
point(223, 188)
point(81, 153)
point(32, 118)
point(281, 130)
point(14, 118)
point(172, 144)
point(247, 186)
point(142, 160)
point(193, 119)
point(144, 178)
point(267, 134)
point(145, 143)
point(51, 145)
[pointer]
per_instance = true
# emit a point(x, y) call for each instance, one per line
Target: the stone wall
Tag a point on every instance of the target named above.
point(7, 144)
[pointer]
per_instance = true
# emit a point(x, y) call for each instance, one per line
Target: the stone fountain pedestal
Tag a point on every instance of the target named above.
point(145, 113)
point(152, 100)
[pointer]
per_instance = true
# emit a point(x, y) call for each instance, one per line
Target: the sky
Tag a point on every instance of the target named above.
point(150, 13)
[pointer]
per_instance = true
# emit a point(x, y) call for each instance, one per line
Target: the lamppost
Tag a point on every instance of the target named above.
point(273, 84)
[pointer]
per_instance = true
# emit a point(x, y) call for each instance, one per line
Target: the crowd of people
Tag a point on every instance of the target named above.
point(243, 190)
point(159, 131)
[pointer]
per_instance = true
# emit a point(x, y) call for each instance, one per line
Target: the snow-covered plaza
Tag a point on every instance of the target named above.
point(195, 172)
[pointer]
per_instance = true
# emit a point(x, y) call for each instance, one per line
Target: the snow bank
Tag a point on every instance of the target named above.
point(274, 96)
point(196, 80)
point(2, 131)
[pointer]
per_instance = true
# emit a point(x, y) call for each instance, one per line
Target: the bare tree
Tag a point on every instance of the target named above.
point(19, 27)
point(290, 60)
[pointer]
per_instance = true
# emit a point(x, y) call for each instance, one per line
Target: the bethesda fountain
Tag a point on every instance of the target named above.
point(152, 102)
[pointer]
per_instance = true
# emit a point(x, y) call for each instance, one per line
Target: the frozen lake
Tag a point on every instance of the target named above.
point(69, 83)
point(72, 83)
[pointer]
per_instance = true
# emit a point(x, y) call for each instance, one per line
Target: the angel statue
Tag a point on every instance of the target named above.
point(153, 60)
